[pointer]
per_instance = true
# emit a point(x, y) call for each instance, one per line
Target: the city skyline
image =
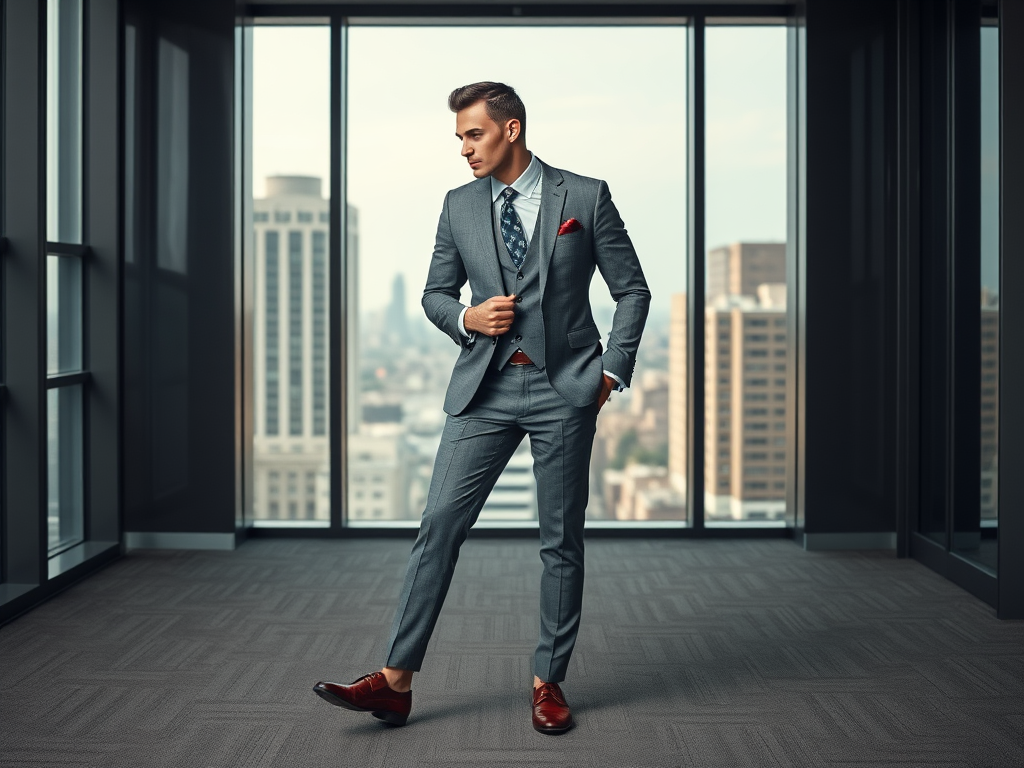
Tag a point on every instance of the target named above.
point(639, 151)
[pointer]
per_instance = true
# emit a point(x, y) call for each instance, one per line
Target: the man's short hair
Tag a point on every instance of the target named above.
point(501, 101)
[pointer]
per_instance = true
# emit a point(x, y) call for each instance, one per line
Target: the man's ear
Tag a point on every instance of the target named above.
point(512, 129)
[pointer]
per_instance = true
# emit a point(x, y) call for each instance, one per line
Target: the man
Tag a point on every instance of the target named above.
point(527, 237)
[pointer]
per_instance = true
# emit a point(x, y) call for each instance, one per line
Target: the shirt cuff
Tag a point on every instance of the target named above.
point(622, 386)
point(462, 325)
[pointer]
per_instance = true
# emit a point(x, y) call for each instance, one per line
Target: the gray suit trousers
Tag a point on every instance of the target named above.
point(475, 447)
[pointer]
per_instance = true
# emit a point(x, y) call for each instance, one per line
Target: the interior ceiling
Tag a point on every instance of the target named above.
point(507, 3)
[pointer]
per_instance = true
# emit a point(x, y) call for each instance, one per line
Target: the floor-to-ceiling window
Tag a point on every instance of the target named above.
point(626, 119)
point(66, 364)
point(621, 117)
point(957, 530)
point(291, 177)
point(746, 349)
point(60, 283)
point(978, 541)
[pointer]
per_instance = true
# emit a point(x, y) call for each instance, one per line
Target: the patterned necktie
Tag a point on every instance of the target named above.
point(512, 229)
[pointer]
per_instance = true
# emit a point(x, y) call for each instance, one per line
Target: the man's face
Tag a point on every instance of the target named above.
point(485, 144)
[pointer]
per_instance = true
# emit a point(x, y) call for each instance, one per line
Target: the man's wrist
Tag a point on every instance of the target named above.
point(462, 324)
point(621, 386)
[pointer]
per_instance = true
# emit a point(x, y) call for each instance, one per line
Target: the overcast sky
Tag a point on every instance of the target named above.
point(603, 102)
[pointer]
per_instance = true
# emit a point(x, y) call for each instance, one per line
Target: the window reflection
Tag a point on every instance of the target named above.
point(981, 544)
point(65, 516)
point(64, 121)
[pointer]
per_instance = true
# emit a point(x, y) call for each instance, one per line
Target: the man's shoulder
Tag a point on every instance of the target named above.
point(573, 179)
point(469, 189)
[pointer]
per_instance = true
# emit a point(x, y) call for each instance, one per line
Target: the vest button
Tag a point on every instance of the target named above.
point(519, 338)
point(518, 299)
point(519, 276)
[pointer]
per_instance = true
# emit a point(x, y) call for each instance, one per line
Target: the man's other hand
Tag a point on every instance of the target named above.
point(607, 385)
point(492, 317)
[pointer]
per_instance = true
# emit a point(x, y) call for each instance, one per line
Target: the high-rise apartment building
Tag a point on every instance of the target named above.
point(291, 368)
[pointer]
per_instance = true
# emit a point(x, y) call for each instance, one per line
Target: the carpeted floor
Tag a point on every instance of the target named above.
point(691, 653)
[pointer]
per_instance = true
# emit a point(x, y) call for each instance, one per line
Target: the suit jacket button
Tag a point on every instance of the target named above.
point(518, 299)
point(519, 338)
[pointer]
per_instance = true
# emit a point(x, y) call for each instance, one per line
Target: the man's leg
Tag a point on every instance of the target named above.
point(471, 457)
point(561, 438)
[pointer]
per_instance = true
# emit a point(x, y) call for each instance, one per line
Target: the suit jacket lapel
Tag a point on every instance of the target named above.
point(485, 240)
point(551, 205)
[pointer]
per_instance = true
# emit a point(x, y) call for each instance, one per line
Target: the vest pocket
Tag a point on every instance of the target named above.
point(583, 337)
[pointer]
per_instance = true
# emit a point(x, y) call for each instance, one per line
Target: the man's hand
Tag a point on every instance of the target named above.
point(607, 385)
point(492, 317)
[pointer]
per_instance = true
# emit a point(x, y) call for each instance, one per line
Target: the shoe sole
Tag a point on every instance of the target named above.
point(554, 731)
point(393, 718)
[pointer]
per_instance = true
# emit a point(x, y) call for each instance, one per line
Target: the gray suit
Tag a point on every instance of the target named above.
point(492, 405)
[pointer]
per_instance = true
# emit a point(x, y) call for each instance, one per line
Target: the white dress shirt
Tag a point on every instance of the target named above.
point(529, 186)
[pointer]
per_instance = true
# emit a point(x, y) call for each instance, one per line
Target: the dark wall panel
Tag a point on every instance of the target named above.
point(848, 269)
point(179, 275)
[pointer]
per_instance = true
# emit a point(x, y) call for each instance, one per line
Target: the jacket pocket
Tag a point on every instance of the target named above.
point(583, 337)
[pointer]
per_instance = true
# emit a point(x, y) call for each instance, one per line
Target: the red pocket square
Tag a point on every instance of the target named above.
point(572, 225)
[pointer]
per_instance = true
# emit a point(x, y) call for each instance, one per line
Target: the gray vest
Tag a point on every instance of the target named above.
point(527, 331)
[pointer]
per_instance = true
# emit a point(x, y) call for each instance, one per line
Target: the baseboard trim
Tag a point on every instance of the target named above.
point(152, 540)
point(817, 542)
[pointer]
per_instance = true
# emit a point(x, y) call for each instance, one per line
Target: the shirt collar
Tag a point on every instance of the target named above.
point(525, 185)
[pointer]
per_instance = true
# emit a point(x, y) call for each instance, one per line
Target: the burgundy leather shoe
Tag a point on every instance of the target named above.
point(369, 693)
point(550, 712)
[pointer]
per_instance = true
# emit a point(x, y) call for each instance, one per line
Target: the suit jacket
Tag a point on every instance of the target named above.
point(465, 250)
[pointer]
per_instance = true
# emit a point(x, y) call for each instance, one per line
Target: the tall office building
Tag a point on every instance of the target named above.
point(291, 353)
point(396, 321)
point(745, 352)
point(677, 402)
point(738, 268)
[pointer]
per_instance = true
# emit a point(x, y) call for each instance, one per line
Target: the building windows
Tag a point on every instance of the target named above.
point(282, 217)
point(319, 373)
point(64, 121)
point(295, 335)
point(271, 320)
